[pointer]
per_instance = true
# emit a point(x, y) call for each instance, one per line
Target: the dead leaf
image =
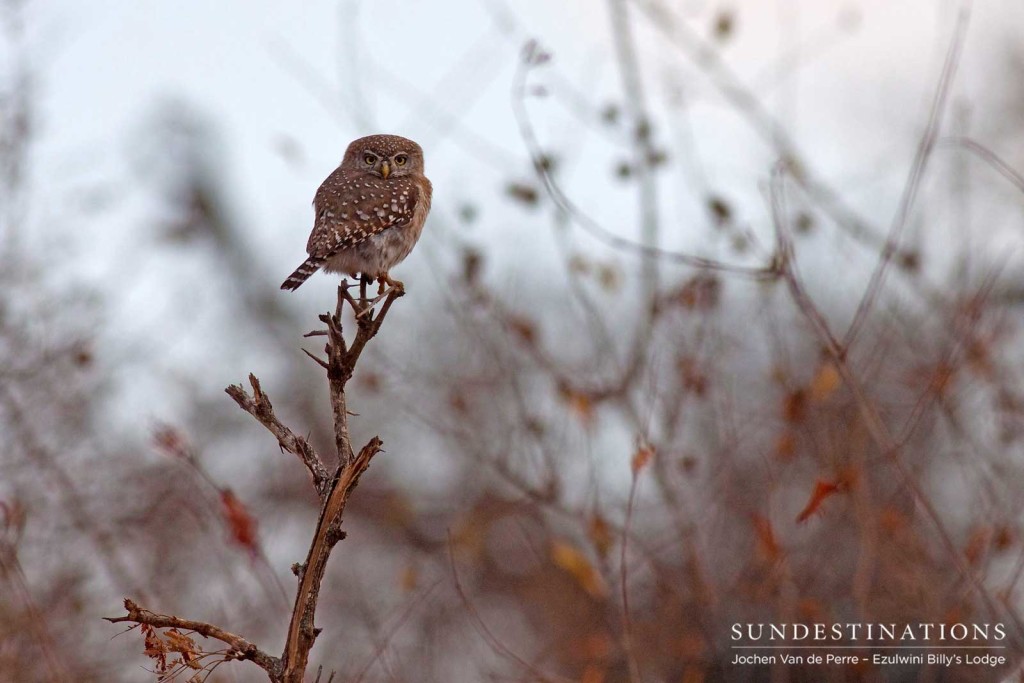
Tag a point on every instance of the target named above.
point(702, 292)
point(524, 329)
point(641, 458)
point(785, 445)
point(609, 277)
point(794, 406)
point(725, 24)
point(409, 578)
point(822, 490)
point(595, 646)
point(720, 210)
point(977, 543)
point(241, 524)
point(171, 441)
point(767, 545)
point(523, 193)
point(826, 381)
point(570, 559)
point(600, 534)
point(579, 403)
point(1004, 537)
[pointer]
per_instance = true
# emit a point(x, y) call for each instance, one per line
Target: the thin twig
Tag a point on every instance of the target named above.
point(627, 619)
point(495, 644)
point(917, 170)
point(240, 648)
point(258, 405)
point(989, 157)
point(589, 224)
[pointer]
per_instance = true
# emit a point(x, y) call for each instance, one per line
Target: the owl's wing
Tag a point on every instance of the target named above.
point(350, 210)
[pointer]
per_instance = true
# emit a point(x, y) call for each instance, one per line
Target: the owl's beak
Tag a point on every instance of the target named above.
point(385, 169)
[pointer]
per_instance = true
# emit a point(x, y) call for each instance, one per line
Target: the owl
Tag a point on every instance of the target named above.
point(369, 212)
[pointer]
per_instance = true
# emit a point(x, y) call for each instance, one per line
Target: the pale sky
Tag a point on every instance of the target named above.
point(277, 80)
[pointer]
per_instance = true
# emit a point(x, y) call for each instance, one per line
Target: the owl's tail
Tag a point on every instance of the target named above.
point(302, 273)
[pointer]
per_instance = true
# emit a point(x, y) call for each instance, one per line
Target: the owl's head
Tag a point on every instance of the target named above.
point(385, 156)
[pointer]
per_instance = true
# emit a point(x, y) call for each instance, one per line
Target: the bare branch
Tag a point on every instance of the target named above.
point(239, 647)
point(301, 632)
point(316, 360)
point(258, 405)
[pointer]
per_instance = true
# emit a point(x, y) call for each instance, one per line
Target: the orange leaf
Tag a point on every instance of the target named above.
point(642, 456)
point(892, 519)
point(596, 646)
point(785, 445)
point(600, 534)
point(573, 561)
point(767, 545)
point(794, 406)
point(578, 403)
point(470, 535)
point(409, 578)
point(977, 544)
point(179, 642)
point(825, 382)
point(822, 490)
point(241, 524)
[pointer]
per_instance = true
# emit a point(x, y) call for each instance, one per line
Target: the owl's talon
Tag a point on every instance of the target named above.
point(386, 280)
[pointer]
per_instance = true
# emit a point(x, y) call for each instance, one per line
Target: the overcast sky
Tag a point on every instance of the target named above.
point(285, 86)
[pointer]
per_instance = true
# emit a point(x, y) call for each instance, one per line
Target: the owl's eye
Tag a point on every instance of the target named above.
point(369, 159)
point(401, 159)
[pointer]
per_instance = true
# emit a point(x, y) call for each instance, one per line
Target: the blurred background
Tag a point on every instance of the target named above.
point(600, 390)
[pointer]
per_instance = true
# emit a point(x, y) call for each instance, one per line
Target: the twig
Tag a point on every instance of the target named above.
point(258, 405)
point(627, 618)
point(10, 568)
point(495, 644)
point(989, 157)
point(589, 224)
point(240, 648)
point(917, 170)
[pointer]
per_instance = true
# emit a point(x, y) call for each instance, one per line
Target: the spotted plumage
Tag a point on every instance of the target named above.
point(369, 212)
